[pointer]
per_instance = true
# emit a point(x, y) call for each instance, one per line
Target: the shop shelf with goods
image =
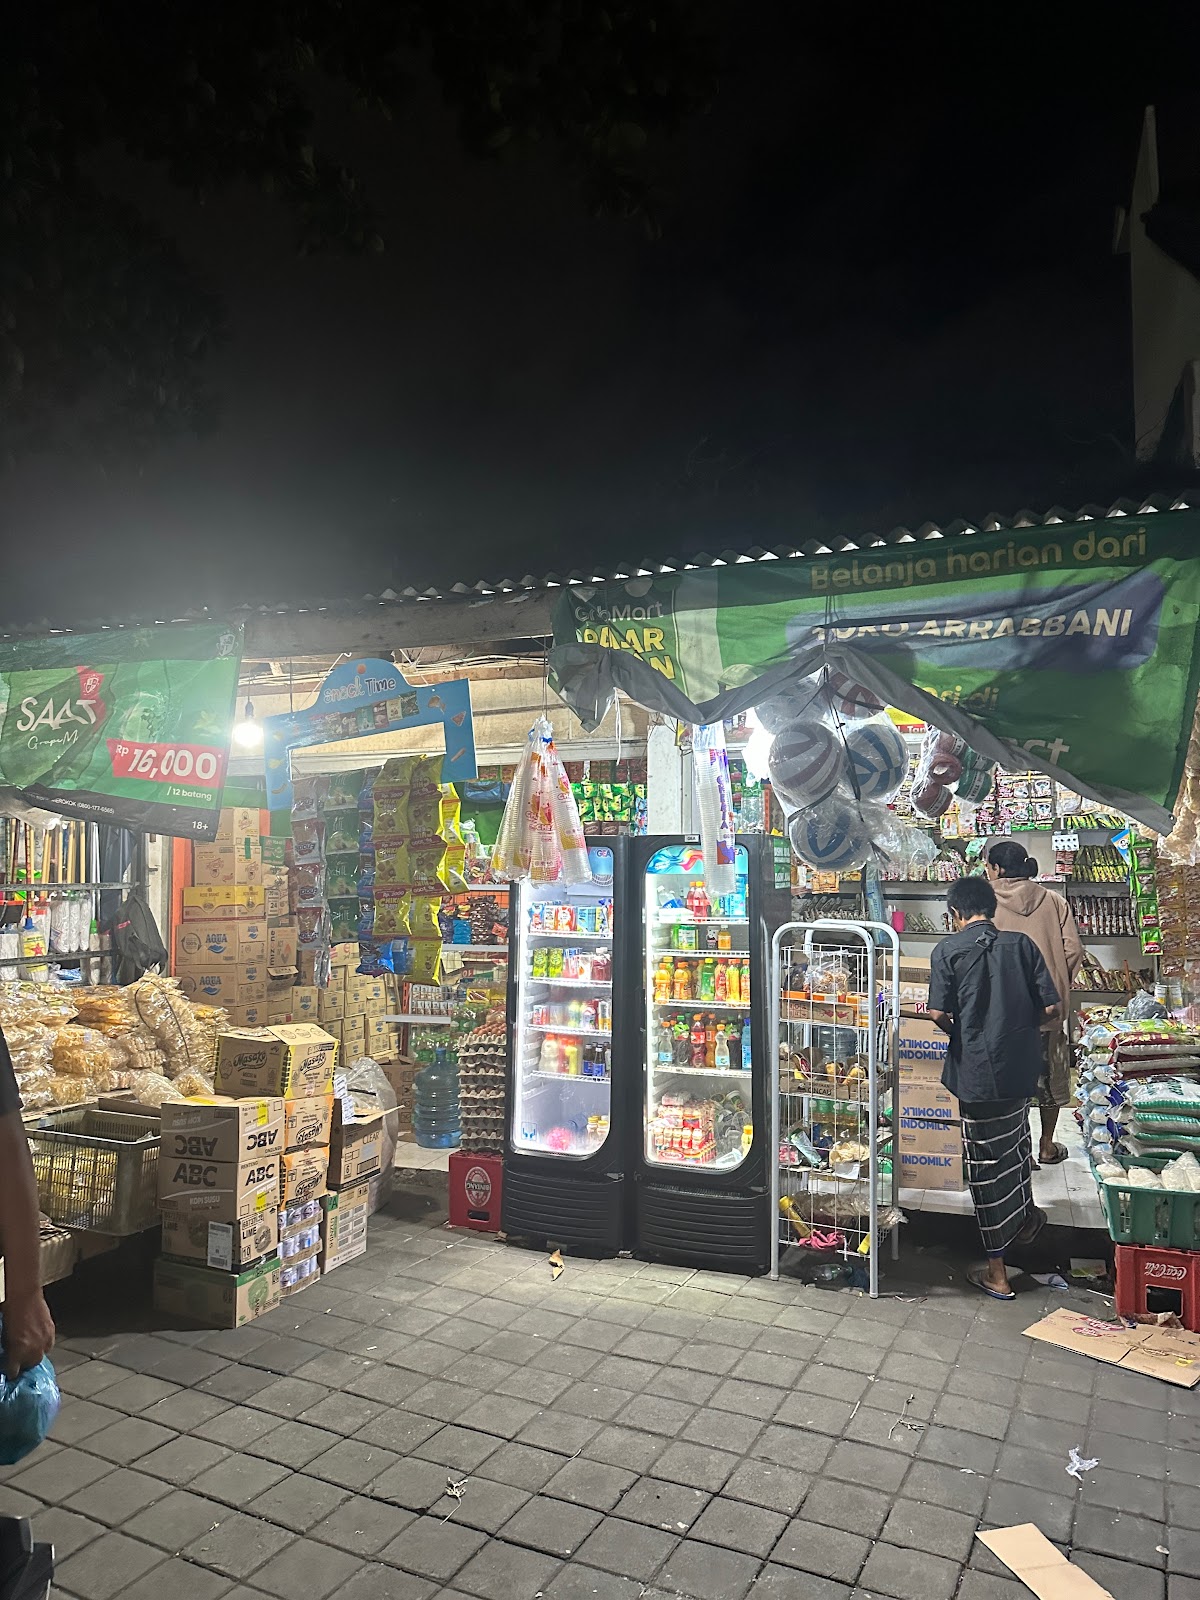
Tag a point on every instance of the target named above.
point(835, 1183)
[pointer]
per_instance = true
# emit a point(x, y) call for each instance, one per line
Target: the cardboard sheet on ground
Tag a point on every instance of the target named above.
point(1171, 1354)
point(1026, 1551)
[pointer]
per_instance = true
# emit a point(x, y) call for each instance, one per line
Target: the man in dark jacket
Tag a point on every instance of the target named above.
point(993, 994)
point(28, 1328)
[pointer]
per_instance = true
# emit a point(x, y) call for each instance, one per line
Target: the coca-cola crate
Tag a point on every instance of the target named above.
point(1152, 1279)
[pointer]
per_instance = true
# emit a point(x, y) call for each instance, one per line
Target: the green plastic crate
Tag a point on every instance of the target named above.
point(1152, 1216)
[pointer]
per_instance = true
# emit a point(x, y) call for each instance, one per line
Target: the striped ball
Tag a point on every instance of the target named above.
point(830, 837)
point(878, 758)
point(850, 699)
point(787, 705)
point(805, 764)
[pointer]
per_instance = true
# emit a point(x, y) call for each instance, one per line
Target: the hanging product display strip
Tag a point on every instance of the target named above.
point(834, 1172)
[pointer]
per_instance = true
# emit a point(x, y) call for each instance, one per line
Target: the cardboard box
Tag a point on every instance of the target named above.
point(926, 1115)
point(223, 1191)
point(238, 822)
point(223, 986)
point(381, 1035)
point(1171, 1354)
point(355, 1149)
point(304, 1175)
point(214, 903)
point(293, 1061)
point(922, 1052)
point(308, 1121)
point(931, 1169)
point(220, 944)
point(220, 1129)
point(305, 1002)
point(344, 955)
point(344, 1216)
point(254, 1014)
point(281, 947)
point(216, 1299)
point(331, 1005)
point(275, 893)
point(354, 1037)
point(228, 1246)
point(227, 866)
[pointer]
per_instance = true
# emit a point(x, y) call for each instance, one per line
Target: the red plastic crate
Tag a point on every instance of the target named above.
point(476, 1183)
point(1154, 1279)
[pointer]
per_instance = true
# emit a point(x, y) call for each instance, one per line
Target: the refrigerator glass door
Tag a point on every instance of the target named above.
point(562, 1038)
point(699, 1105)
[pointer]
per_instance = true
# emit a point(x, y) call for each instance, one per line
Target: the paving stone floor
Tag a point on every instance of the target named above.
point(629, 1432)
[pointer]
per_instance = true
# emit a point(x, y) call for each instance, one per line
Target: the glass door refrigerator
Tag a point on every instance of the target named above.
point(564, 1168)
point(701, 1186)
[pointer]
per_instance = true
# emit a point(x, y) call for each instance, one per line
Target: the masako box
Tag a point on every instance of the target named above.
point(304, 1174)
point(294, 1061)
point(226, 867)
point(229, 1246)
point(216, 903)
point(308, 1121)
point(216, 1299)
point(221, 1129)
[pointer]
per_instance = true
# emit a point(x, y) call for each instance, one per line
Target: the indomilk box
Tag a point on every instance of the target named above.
point(293, 1060)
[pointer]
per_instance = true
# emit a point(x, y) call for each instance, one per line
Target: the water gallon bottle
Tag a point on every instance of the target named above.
point(436, 1123)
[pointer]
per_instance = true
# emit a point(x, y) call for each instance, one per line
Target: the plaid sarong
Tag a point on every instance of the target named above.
point(997, 1164)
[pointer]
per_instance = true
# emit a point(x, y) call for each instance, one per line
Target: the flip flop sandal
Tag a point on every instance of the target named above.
point(975, 1277)
point(1060, 1155)
point(1032, 1228)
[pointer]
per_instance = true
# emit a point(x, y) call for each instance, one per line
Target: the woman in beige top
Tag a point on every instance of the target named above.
point(1026, 907)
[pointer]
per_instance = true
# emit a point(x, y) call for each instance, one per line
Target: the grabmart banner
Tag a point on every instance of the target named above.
point(1069, 650)
point(130, 727)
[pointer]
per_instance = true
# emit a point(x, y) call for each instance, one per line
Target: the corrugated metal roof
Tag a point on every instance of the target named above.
point(513, 589)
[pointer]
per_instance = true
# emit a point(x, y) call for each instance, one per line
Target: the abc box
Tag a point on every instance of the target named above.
point(292, 1061)
point(221, 1129)
point(223, 1191)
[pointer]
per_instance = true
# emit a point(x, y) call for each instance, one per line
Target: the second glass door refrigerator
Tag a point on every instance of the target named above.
point(564, 1168)
point(700, 1172)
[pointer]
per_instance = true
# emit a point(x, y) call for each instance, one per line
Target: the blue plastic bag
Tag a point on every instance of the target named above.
point(28, 1408)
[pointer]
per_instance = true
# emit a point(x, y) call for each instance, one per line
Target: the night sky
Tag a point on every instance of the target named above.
point(885, 293)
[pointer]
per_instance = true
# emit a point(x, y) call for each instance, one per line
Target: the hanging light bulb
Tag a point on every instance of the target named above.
point(248, 733)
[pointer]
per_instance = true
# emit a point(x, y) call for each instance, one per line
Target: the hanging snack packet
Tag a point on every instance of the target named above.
point(308, 835)
point(426, 960)
point(343, 916)
point(342, 874)
point(393, 868)
point(391, 920)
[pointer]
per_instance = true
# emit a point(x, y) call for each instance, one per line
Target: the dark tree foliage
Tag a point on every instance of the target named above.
point(103, 324)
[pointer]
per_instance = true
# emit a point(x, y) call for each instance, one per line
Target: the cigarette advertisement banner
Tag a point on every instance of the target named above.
point(130, 727)
point(1069, 650)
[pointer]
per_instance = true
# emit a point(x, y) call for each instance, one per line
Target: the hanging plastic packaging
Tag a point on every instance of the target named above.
point(541, 837)
point(714, 801)
point(28, 1407)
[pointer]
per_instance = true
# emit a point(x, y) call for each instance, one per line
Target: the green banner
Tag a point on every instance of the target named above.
point(129, 727)
point(1069, 650)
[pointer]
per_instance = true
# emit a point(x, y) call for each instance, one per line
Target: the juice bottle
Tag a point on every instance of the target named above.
point(692, 901)
point(708, 981)
point(744, 982)
point(733, 984)
point(710, 1042)
point(721, 1048)
point(724, 939)
point(697, 1041)
point(703, 905)
point(682, 986)
point(664, 981)
point(721, 983)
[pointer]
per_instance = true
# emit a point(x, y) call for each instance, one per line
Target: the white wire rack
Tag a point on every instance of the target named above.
point(834, 1178)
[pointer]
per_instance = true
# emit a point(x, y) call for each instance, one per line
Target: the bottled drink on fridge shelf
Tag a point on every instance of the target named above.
point(708, 981)
point(664, 981)
point(721, 1049)
point(697, 1041)
point(746, 1045)
point(733, 982)
point(721, 982)
point(683, 981)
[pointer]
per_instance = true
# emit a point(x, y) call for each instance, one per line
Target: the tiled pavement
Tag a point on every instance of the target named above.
point(627, 1431)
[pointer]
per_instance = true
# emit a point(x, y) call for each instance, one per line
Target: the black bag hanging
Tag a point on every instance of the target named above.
point(136, 942)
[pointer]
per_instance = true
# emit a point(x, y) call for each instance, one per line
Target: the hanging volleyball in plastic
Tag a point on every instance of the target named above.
point(830, 837)
point(806, 764)
point(944, 753)
point(787, 705)
point(850, 699)
point(878, 757)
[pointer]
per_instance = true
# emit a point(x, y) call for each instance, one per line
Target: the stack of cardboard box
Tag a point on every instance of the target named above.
point(355, 1162)
point(352, 1008)
point(928, 1134)
point(235, 946)
point(242, 1172)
